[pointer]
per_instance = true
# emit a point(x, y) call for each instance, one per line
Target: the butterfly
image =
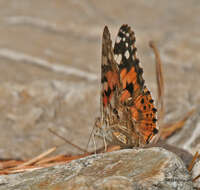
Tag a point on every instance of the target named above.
point(128, 115)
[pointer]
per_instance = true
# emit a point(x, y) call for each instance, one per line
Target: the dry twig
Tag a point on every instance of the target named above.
point(169, 129)
point(191, 165)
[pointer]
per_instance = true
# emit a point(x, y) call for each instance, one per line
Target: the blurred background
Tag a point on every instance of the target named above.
point(50, 55)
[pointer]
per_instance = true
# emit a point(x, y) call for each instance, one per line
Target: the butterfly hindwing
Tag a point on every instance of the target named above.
point(133, 92)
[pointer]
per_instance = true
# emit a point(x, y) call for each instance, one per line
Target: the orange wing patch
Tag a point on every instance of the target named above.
point(144, 113)
point(109, 86)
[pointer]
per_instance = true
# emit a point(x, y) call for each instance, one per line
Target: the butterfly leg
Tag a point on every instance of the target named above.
point(94, 132)
point(105, 143)
point(100, 132)
point(94, 142)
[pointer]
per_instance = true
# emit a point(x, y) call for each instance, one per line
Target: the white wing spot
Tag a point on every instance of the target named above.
point(124, 39)
point(118, 39)
point(126, 44)
point(127, 34)
point(118, 58)
point(126, 54)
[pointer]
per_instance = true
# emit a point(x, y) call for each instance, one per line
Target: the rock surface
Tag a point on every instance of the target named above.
point(137, 169)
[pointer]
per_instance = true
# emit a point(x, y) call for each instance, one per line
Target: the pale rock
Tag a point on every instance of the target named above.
point(136, 169)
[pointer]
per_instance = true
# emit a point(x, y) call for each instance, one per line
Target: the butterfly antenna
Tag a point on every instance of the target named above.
point(68, 142)
point(91, 134)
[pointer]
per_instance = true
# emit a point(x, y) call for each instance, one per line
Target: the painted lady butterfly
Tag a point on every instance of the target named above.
point(128, 116)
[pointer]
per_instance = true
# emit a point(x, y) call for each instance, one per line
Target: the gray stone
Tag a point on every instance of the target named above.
point(195, 172)
point(185, 156)
point(136, 169)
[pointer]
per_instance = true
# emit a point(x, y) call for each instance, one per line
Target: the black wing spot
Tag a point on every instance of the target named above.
point(142, 101)
point(155, 131)
point(129, 87)
point(144, 107)
point(147, 92)
point(104, 79)
point(108, 92)
point(154, 110)
point(151, 101)
point(154, 120)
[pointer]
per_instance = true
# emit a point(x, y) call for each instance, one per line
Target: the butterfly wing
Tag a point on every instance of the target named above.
point(134, 96)
point(109, 89)
point(109, 74)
